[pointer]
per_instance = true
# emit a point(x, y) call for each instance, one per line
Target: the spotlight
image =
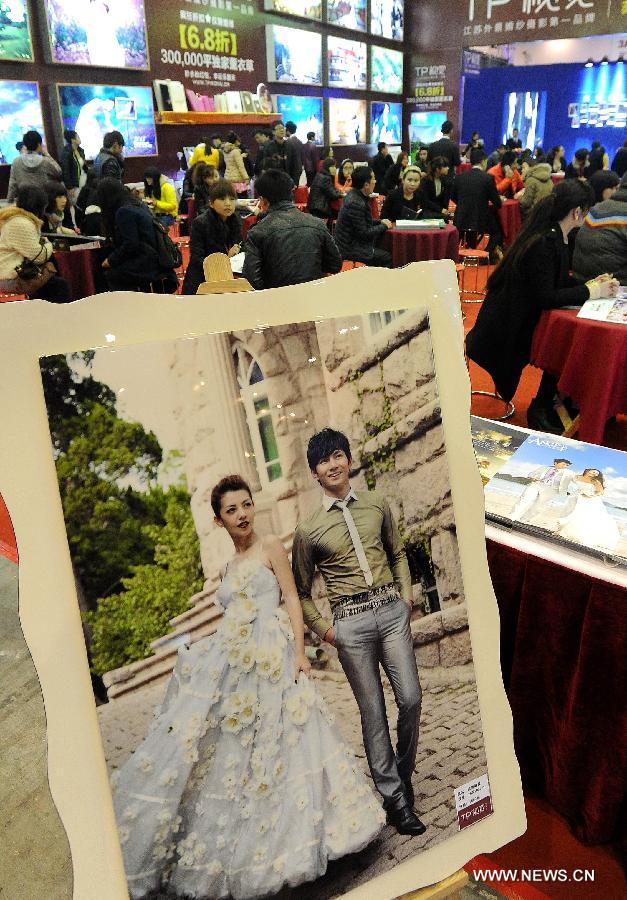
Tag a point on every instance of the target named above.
point(605, 61)
point(589, 64)
point(620, 60)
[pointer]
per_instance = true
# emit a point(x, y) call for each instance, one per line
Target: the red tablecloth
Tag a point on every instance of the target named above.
point(415, 245)
point(509, 217)
point(590, 359)
point(563, 638)
point(557, 178)
point(82, 269)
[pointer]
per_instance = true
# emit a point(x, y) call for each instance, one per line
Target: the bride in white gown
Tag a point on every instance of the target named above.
point(589, 523)
point(242, 785)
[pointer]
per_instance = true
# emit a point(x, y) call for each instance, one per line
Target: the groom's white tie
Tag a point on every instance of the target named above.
point(357, 544)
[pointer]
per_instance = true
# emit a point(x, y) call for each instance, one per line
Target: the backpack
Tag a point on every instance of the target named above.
point(168, 253)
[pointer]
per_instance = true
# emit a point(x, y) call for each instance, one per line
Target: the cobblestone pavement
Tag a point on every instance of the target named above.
point(450, 753)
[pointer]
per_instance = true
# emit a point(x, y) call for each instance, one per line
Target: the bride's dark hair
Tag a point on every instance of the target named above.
point(226, 484)
point(598, 477)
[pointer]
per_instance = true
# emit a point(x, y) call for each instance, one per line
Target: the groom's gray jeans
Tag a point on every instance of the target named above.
point(374, 636)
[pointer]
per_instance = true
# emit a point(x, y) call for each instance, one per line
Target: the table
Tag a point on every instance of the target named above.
point(510, 220)
point(416, 244)
point(82, 269)
point(563, 636)
point(590, 359)
point(556, 177)
point(463, 167)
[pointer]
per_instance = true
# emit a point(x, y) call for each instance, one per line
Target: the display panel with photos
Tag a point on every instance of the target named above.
point(15, 38)
point(94, 109)
point(425, 127)
point(347, 121)
point(386, 123)
point(347, 63)
point(386, 70)
point(106, 33)
point(218, 773)
point(526, 111)
point(387, 18)
point(347, 14)
point(294, 55)
point(305, 112)
point(20, 111)
point(306, 9)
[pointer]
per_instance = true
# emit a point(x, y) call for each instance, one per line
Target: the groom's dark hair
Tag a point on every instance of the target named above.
point(324, 443)
point(567, 461)
point(229, 483)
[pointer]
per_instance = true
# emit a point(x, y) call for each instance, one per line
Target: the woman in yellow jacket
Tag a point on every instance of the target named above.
point(160, 195)
point(206, 152)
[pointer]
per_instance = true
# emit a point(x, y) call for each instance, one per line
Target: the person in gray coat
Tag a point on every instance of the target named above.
point(601, 244)
point(35, 168)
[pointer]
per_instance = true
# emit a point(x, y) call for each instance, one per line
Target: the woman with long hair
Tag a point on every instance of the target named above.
point(533, 276)
point(160, 195)
point(555, 158)
point(133, 263)
point(203, 179)
point(344, 177)
point(323, 192)
point(242, 785)
point(217, 230)
point(73, 166)
point(235, 171)
point(57, 218)
point(404, 201)
point(392, 177)
point(589, 522)
point(25, 256)
point(435, 190)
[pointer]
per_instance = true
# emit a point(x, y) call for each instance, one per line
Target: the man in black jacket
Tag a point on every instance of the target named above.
point(473, 191)
point(356, 231)
point(286, 246)
point(447, 148)
point(380, 165)
point(283, 150)
point(109, 163)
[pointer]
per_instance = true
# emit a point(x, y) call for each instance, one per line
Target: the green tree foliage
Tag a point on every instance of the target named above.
point(124, 624)
point(104, 467)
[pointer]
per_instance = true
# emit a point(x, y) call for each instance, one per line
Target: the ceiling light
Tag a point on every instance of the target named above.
point(589, 64)
point(605, 61)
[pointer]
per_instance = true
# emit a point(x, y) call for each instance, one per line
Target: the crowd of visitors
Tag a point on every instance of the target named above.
point(572, 246)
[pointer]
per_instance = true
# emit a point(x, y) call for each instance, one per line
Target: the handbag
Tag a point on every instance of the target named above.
point(31, 277)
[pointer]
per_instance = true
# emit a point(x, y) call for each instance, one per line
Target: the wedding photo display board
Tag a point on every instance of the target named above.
point(565, 490)
point(93, 109)
point(106, 33)
point(15, 38)
point(20, 111)
point(173, 395)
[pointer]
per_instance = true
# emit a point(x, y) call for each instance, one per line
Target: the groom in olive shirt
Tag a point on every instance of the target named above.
point(354, 543)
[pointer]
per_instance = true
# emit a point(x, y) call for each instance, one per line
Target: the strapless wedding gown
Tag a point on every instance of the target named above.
point(242, 785)
point(589, 523)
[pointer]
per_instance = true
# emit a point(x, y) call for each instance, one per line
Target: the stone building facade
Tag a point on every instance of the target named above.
point(248, 403)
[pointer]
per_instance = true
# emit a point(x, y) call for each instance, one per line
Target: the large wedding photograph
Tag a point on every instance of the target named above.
point(264, 547)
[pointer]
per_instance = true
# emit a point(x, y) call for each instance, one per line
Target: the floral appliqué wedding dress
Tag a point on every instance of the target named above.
point(242, 784)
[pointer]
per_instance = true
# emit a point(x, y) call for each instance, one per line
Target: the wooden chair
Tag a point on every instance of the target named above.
point(219, 278)
point(349, 264)
point(8, 296)
point(301, 195)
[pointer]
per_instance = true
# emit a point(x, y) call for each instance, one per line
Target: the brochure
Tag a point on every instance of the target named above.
point(569, 491)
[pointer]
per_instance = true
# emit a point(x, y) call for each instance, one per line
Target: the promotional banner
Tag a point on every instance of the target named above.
point(509, 21)
point(209, 45)
point(435, 81)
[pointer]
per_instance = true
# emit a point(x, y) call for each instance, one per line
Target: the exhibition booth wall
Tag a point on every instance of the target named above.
point(558, 104)
point(352, 51)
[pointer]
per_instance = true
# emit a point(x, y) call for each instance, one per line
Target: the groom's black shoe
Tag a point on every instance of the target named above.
point(406, 821)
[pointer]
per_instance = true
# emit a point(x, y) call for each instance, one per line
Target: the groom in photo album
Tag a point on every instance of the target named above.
point(353, 541)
